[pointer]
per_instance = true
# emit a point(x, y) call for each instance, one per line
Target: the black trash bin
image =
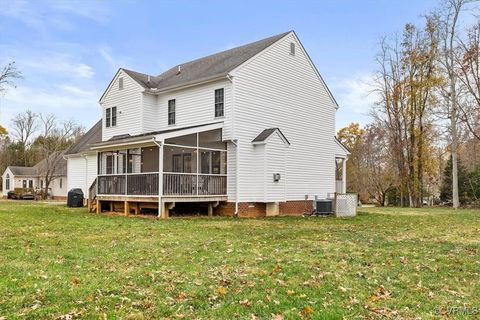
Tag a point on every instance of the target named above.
point(75, 198)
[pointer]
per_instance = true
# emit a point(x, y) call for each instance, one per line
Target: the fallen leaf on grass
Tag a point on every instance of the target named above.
point(277, 317)
point(222, 291)
point(308, 310)
point(245, 303)
point(75, 281)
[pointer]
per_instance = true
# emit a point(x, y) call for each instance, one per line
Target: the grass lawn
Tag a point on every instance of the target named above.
point(57, 262)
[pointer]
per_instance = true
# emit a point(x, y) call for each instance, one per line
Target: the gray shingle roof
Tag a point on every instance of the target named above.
point(39, 168)
point(92, 136)
point(23, 171)
point(209, 67)
point(267, 133)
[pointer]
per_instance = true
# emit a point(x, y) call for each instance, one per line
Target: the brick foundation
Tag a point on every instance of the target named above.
point(258, 209)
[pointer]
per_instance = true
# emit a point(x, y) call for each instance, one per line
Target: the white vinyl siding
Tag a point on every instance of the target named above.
point(276, 89)
point(128, 103)
point(275, 162)
point(150, 112)
point(194, 106)
point(80, 168)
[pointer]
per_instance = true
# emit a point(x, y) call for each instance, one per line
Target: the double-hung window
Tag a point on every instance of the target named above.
point(219, 103)
point(111, 117)
point(171, 112)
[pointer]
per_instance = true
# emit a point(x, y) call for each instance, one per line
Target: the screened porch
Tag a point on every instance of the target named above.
point(189, 165)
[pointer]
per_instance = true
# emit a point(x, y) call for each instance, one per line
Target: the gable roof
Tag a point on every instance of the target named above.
point(206, 68)
point(22, 171)
point(341, 149)
point(40, 167)
point(92, 136)
point(265, 134)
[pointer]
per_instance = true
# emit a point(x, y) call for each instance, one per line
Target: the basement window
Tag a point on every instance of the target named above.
point(292, 48)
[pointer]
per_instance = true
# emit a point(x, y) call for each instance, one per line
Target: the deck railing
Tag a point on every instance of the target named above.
point(174, 184)
point(191, 184)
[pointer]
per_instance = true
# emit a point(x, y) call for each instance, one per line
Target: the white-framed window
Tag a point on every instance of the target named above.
point(111, 117)
point(30, 184)
point(114, 116)
point(120, 83)
point(219, 103)
point(171, 111)
point(292, 48)
point(7, 182)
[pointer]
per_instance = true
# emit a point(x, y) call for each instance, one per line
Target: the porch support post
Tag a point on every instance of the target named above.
point(126, 208)
point(198, 161)
point(344, 175)
point(99, 206)
point(161, 205)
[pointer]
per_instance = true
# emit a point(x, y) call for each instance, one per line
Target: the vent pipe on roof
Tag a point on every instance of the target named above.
point(179, 69)
point(148, 78)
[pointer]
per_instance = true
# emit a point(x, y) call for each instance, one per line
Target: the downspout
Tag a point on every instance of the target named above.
point(237, 169)
point(235, 142)
point(160, 174)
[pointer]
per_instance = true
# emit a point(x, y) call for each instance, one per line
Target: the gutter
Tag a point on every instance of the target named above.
point(186, 85)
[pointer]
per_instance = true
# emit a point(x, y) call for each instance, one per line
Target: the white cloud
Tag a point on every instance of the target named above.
point(41, 15)
point(356, 98)
point(66, 102)
point(60, 64)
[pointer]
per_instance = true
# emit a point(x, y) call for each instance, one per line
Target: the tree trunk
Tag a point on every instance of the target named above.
point(453, 125)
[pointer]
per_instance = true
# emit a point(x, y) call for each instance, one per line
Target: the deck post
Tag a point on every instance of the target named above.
point(99, 206)
point(344, 175)
point(210, 209)
point(126, 208)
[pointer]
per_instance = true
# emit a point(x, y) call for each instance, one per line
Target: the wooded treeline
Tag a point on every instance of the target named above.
point(426, 120)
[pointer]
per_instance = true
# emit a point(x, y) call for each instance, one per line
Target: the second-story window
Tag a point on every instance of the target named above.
point(107, 117)
point(120, 83)
point(171, 111)
point(111, 117)
point(114, 116)
point(219, 103)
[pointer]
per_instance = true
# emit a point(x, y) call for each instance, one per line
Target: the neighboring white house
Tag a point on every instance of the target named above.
point(249, 130)
point(34, 178)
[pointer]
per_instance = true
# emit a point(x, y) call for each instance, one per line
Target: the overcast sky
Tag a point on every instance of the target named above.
point(68, 51)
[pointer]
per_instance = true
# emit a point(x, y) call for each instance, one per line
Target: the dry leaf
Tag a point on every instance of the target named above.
point(222, 291)
point(245, 303)
point(75, 281)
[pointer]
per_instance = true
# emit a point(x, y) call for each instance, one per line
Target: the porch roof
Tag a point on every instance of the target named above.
point(149, 137)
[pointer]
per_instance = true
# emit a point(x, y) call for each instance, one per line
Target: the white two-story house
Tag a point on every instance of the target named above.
point(248, 131)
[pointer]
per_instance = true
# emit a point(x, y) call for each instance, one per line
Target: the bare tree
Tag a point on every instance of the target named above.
point(8, 75)
point(468, 60)
point(448, 21)
point(24, 126)
point(54, 139)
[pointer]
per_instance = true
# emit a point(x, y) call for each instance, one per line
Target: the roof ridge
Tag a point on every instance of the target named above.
point(280, 35)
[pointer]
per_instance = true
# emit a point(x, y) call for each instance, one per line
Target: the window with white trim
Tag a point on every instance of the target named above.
point(120, 83)
point(171, 112)
point(7, 182)
point(111, 117)
point(292, 48)
point(219, 103)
